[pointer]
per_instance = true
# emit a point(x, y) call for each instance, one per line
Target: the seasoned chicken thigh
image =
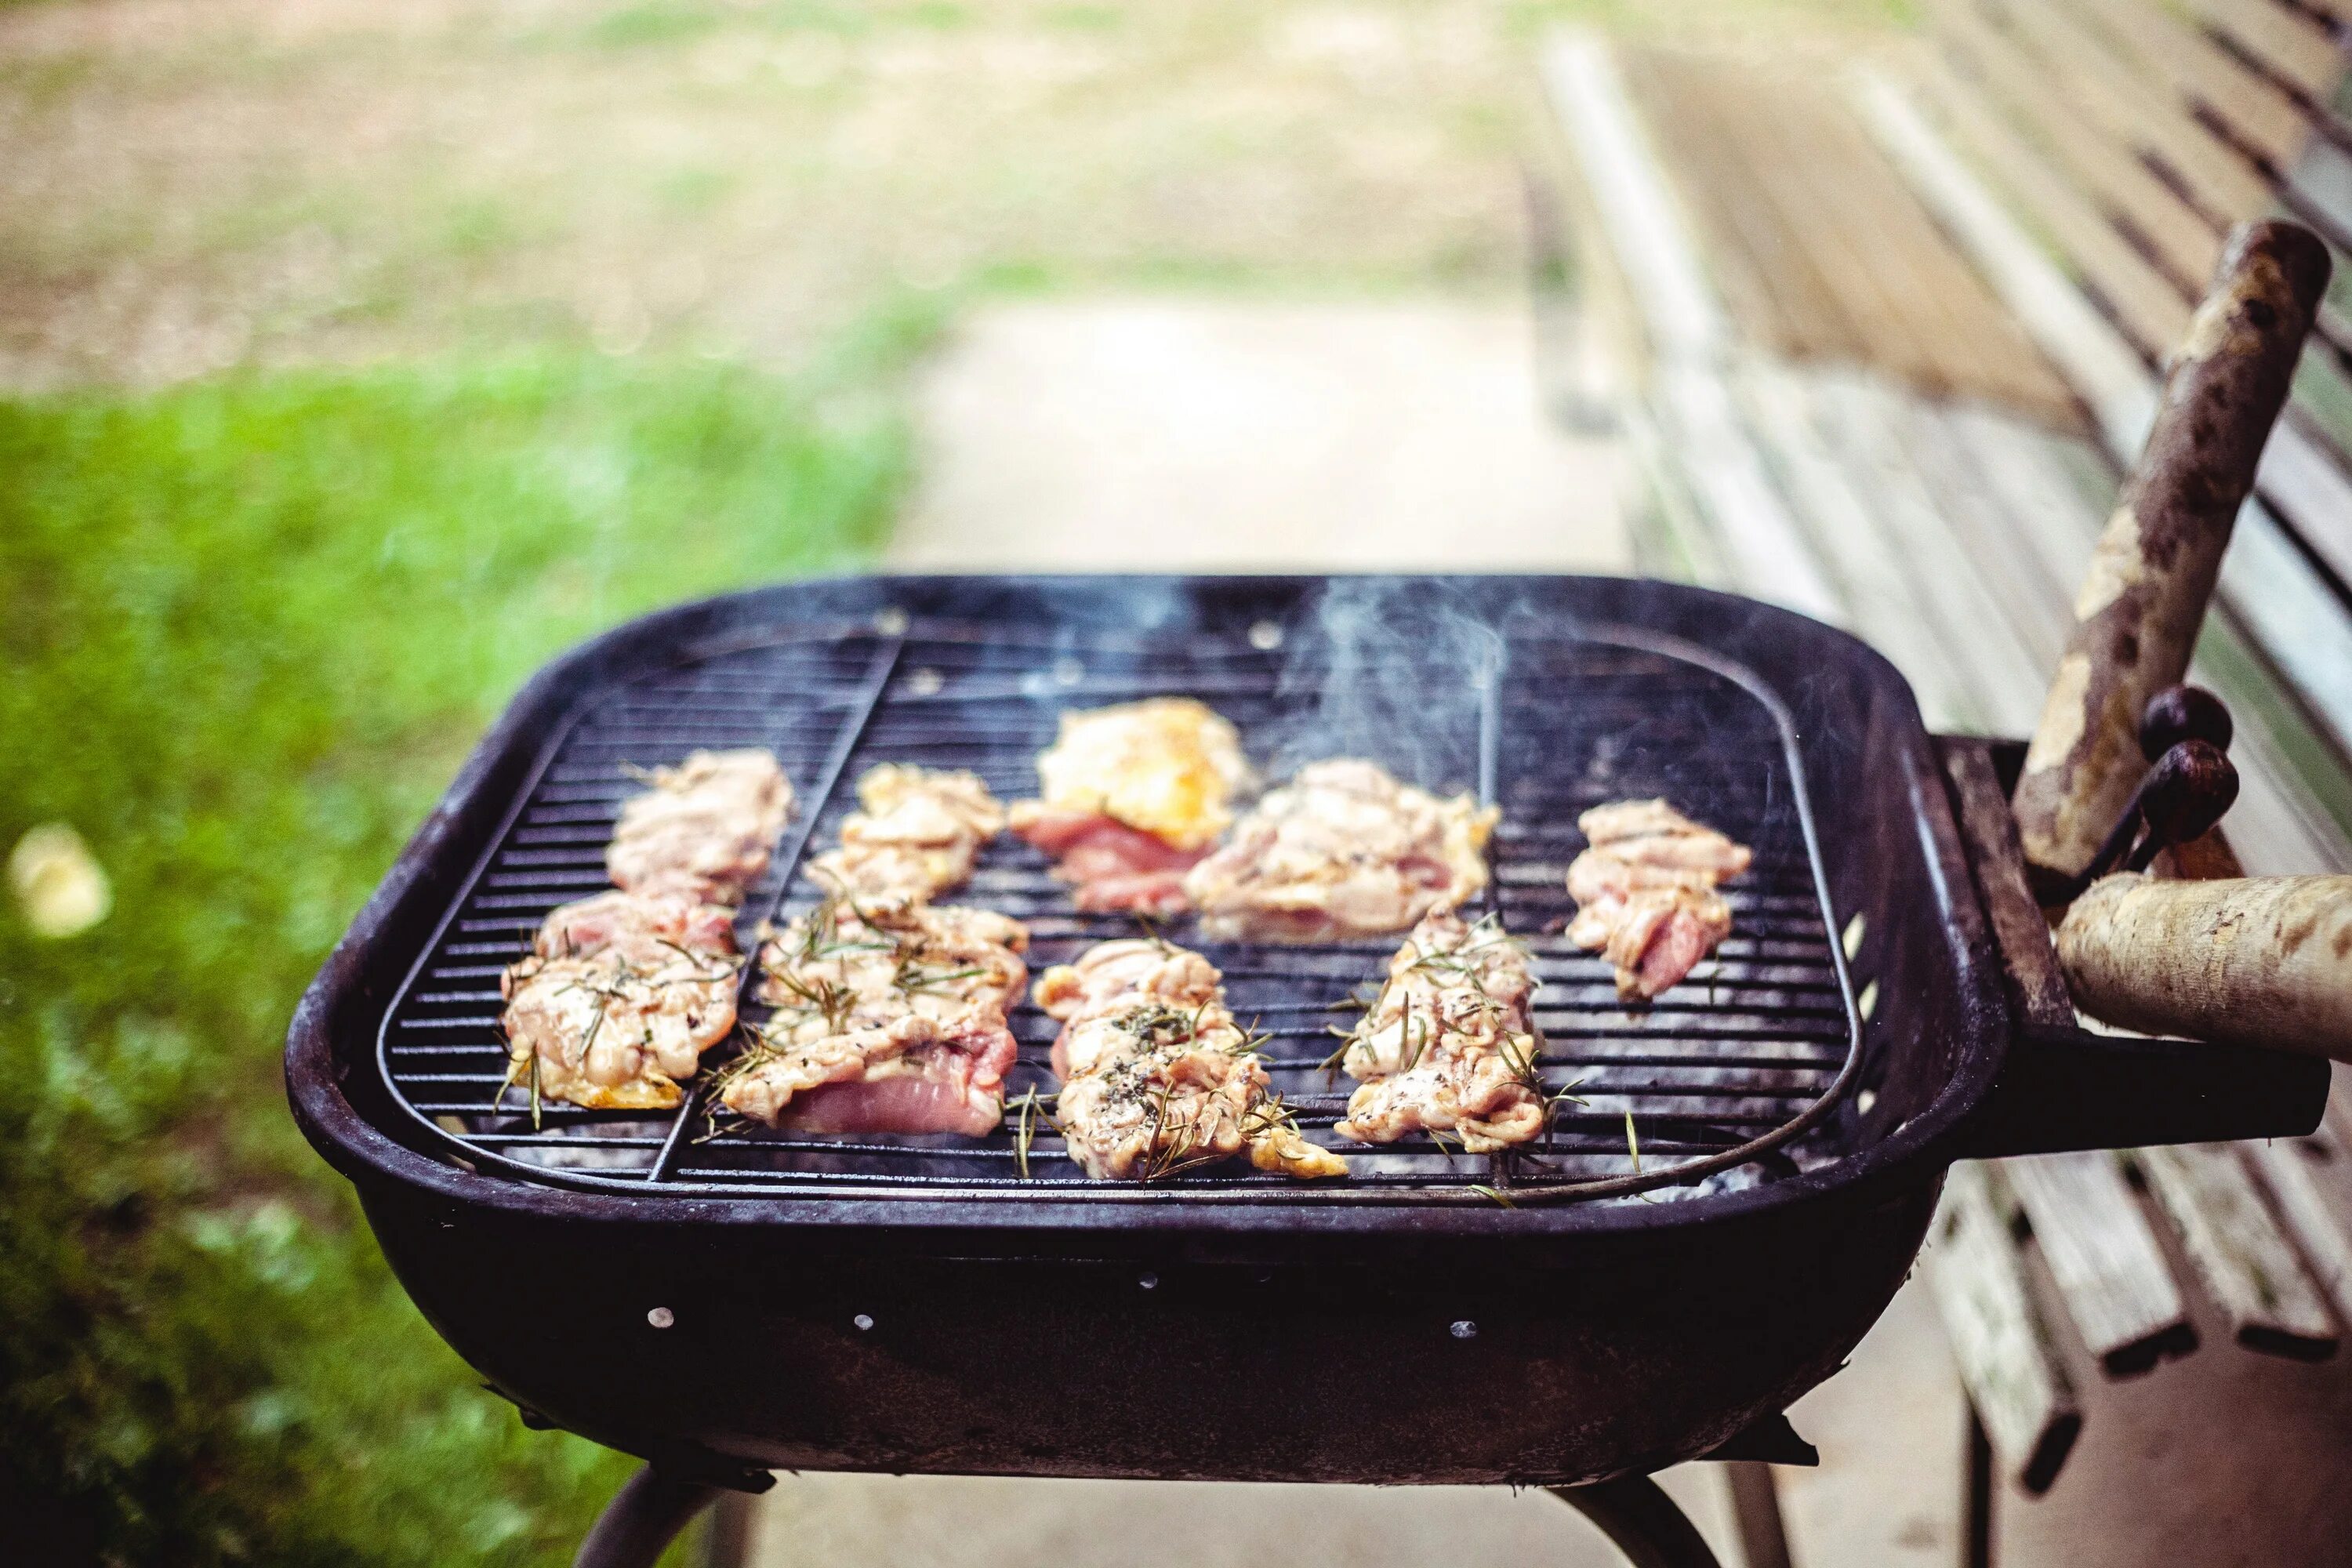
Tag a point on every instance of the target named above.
point(1342, 850)
point(706, 829)
point(620, 996)
point(1157, 1077)
point(1447, 1048)
point(1645, 892)
point(888, 1017)
point(915, 836)
point(1130, 797)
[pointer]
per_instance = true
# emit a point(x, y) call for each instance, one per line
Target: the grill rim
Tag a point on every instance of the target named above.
point(493, 784)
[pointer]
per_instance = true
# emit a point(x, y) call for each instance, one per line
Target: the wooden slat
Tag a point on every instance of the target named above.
point(1764, 275)
point(1698, 421)
point(2142, 116)
point(2183, 245)
point(1863, 425)
point(2257, 114)
point(2306, 482)
point(2110, 1272)
point(1678, 308)
point(1984, 533)
point(2101, 365)
point(2241, 1256)
point(2144, 303)
point(1822, 249)
point(2289, 45)
point(2014, 1378)
point(2306, 1178)
point(1884, 605)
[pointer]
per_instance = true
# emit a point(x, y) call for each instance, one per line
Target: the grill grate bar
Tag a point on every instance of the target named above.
point(787, 861)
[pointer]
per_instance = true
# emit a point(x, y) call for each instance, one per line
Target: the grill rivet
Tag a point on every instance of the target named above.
point(1069, 671)
point(926, 682)
point(891, 622)
point(863, 1320)
point(661, 1317)
point(1866, 1100)
point(1150, 1281)
point(1265, 637)
point(1464, 1330)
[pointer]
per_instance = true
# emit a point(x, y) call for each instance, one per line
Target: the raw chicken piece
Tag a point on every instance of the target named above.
point(1447, 1048)
point(916, 836)
point(706, 829)
point(889, 1018)
point(1157, 1077)
point(1132, 797)
point(1342, 850)
point(618, 1027)
point(1645, 892)
point(648, 927)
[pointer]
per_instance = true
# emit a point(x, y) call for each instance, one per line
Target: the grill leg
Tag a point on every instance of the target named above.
point(645, 1516)
point(1645, 1525)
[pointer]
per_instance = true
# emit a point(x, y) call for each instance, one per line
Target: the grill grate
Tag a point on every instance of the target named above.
point(1760, 1037)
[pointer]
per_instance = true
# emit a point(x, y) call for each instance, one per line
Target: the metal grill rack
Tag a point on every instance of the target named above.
point(1756, 1045)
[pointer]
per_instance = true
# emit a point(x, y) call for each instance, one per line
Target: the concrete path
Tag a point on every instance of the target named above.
point(1159, 435)
point(1196, 434)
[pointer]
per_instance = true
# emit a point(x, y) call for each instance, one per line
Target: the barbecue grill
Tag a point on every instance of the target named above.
point(1735, 1181)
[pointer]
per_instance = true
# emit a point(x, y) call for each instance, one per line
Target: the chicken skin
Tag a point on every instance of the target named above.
point(889, 1018)
point(1157, 1075)
point(1447, 1048)
point(915, 836)
point(1130, 797)
point(1645, 892)
point(704, 830)
point(621, 996)
point(1342, 850)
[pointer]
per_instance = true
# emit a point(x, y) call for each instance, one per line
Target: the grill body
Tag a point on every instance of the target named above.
point(917, 1305)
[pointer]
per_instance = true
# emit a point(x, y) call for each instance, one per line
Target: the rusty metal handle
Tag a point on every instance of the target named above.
point(2137, 615)
point(2246, 960)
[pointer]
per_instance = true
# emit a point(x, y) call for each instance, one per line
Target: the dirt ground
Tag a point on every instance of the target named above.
point(194, 183)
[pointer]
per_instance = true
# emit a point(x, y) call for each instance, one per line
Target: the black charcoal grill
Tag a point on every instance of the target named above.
point(1735, 1189)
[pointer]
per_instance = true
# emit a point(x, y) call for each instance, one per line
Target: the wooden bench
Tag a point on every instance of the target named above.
point(1896, 343)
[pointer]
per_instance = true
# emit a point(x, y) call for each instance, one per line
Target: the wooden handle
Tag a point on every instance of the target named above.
point(2139, 609)
point(2252, 961)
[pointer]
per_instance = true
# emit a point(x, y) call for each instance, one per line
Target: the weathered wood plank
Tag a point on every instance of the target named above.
point(1885, 607)
point(2241, 1256)
point(2305, 1178)
point(1861, 421)
point(1698, 420)
point(2111, 1274)
point(2146, 306)
point(2106, 370)
point(2223, 187)
point(2184, 246)
point(2019, 926)
point(1782, 300)
point(2258, 114)
point(1677, 305)
point(2014, 1379)
point(2290, 45)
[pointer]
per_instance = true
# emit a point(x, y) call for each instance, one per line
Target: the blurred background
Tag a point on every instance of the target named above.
point(356, 358)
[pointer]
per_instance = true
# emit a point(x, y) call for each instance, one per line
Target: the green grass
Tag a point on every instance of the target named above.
point(249, 627)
